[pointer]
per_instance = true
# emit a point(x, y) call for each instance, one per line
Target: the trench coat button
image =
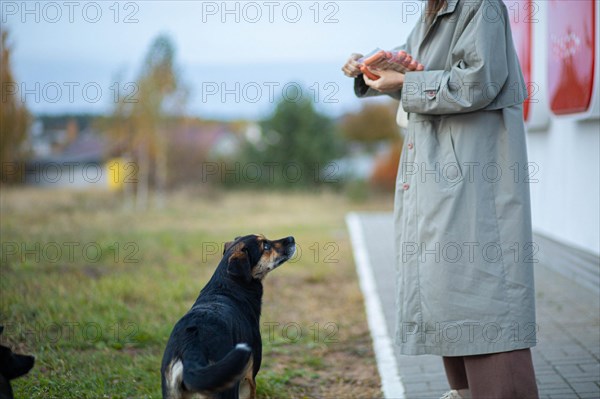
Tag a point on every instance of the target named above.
point(405, 186)
point(410, 146)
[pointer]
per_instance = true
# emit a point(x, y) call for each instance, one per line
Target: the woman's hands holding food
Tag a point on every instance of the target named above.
point(389, 80)
point(352, 68)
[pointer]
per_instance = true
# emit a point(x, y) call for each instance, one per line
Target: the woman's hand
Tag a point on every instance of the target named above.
point(352, 68)
point(389, 80)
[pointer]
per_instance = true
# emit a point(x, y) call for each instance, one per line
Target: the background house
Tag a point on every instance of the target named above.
point(63, 156)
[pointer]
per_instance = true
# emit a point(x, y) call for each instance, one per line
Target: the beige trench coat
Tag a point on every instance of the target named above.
point(464, 248)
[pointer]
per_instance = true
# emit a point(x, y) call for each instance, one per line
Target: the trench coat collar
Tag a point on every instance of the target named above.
point(451, 5)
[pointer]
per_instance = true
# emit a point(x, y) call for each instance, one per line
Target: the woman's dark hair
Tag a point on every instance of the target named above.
point(433, 6)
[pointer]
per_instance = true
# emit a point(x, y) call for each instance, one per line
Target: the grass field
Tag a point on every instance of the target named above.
point(93, 291)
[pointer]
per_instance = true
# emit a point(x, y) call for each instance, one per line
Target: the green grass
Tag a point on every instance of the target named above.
point(97, 320)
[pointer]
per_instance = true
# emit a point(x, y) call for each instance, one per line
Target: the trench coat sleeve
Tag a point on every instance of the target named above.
point(362, 90)
point(479, 70)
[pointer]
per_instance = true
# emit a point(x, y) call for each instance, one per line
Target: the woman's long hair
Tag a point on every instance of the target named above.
point(433, 6)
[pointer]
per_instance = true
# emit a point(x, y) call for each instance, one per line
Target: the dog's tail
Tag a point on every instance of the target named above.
point(220, 375)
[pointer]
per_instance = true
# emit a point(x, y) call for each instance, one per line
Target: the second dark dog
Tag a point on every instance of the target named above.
point(12, 366)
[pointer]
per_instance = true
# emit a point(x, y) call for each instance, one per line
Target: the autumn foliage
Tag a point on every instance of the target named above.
point(386, 168)
point(14, 116)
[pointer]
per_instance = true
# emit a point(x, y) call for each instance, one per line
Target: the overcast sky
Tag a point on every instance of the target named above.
point(235, 56)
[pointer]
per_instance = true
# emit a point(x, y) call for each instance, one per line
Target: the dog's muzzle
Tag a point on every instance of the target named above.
point(290, 244)
point(290, 250)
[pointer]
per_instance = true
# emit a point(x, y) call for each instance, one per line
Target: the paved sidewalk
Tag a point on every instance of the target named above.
point(566, 358)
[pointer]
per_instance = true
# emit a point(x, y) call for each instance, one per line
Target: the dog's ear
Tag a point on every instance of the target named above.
point(238, 265)
point(228, 244)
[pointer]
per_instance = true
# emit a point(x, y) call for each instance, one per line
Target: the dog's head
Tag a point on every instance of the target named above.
point(252, 257)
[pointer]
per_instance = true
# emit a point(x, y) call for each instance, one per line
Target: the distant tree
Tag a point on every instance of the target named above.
point(141, 120)
point(14, 118)
point(374, 122)
point(295, 146)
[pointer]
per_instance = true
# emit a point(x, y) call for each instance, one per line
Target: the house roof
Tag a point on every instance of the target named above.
point(87, 147)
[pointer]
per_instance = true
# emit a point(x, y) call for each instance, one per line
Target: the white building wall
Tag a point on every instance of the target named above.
point(566, 196)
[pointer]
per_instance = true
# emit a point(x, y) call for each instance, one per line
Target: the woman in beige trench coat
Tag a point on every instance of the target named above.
point(465, 254)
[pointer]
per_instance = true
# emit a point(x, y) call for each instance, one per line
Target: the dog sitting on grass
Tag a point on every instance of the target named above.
point(12, 366)
point(215, 350)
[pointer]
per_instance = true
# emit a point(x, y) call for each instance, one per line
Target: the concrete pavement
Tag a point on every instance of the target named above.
point(567, 355)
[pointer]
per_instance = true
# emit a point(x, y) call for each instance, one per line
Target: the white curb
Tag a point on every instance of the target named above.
point(391, 384)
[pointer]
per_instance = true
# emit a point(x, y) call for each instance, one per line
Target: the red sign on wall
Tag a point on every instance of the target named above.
point(571, 54)
point(521, 14)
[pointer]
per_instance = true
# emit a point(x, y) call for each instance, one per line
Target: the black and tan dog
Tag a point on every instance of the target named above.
point(215, 350)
